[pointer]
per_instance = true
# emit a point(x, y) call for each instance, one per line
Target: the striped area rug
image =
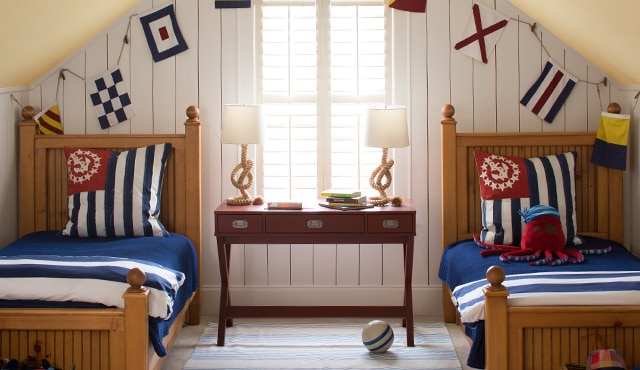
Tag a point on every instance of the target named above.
point(320, 345)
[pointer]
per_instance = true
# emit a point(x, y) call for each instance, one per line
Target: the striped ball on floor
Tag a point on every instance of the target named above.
point(377, 336)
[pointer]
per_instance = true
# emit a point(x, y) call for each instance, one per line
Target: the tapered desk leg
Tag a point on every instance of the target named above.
point(408, 296)
point(223, 261)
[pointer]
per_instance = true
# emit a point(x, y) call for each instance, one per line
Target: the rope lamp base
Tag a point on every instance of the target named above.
point(243, 182)
point(380, 180)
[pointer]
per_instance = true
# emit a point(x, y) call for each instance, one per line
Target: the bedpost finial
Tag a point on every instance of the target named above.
point(614, 108)
point(193, 112)
point(495, 275)
point(448, 111)
point(136, 278)
point(28, 112)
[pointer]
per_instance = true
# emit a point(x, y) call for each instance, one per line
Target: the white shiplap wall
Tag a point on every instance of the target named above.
point(217, 69)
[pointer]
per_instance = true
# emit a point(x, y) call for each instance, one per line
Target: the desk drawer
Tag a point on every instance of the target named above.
point(306, 224)
point(393, 223)
point(239, 224)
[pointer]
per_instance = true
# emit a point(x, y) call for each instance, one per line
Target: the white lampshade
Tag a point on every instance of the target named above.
point(386, 127)
point(242, 124)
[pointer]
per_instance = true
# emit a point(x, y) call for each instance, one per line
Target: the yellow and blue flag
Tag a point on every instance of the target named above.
point(49, 122)
point(610, 149)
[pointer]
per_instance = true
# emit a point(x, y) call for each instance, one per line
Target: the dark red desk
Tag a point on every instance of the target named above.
point(256, 225)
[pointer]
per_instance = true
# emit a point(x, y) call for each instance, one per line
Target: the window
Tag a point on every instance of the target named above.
point(320, 64)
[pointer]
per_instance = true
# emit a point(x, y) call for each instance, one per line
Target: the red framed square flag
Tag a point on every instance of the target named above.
point(163, 34)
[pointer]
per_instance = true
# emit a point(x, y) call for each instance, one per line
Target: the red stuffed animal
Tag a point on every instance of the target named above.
point(542, 242)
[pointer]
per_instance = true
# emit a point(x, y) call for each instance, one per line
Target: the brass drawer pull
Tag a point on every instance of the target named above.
point(314, 224)
point(240, 224)
point(390, 224)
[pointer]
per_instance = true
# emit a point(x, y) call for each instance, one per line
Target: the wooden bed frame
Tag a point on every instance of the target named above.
point(109, 338)
point(537, 337)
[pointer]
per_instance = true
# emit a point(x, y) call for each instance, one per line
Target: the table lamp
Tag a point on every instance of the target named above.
point(243, 124)
point(385, 127)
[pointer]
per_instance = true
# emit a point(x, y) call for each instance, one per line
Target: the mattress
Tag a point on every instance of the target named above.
point(170, 263)
point(600, 279)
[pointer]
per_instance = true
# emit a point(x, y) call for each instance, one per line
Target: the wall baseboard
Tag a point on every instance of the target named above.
point(427, 300)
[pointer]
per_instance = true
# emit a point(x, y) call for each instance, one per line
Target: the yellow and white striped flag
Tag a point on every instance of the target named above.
point(49, 122)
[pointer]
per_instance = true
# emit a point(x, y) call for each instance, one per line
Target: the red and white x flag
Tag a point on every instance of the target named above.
point(482, 32)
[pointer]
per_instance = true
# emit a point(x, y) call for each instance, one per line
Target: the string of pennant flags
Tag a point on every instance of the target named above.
point(107, 91)
point(551, 89)
point(545, 98)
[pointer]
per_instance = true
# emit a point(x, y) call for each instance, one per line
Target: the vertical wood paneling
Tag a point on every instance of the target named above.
point(484, 89)
point(164, 90)
point(348, 265)
point(209, 103)
point(324, 264)
point(72, 91)
point(278, 263)
point(302, 264)
point(418, 173)
point(119, 55)
point(392, 265)
point(439, 91)
point(507, 82)
point(530, 65)
point(141, 65)
point(556, 52)
point(8, 166)
point(256, 270)
point(187, 61)
point(461, 65)
point(371, 264)
point(96, 63)
point(575, 112)
point(214, 72)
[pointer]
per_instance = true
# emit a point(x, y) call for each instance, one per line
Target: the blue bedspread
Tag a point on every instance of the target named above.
point(175, 252)
point(461, 263)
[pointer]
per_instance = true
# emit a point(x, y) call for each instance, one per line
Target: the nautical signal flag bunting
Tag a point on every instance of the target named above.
point(163, 34)
point(481, 32)
point(548, 94)
point(49, 122)
point(416, 6)
point(610, 148)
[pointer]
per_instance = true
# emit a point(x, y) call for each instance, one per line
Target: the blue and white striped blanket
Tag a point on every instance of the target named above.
point(553, 288)
point(93, 279)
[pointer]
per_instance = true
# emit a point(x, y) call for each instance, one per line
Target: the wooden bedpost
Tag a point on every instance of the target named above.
point(449, 205)
point(136, 305)
point(193, 222)
point(495, 312)
point(615, 202)
point(27, 128)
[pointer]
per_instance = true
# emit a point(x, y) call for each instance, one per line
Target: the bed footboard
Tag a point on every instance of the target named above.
point(548, 337)
point(108, 339)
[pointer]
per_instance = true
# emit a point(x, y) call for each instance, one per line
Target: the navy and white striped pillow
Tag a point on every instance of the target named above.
point(115, 193)
point(551, 181)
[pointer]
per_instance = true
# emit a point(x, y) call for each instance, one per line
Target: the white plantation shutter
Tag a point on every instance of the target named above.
point(320, 65)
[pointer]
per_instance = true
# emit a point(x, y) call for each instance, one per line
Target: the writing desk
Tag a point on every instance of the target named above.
point(257, 225)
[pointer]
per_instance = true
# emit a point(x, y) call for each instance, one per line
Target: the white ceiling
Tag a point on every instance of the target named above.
point(39, 35)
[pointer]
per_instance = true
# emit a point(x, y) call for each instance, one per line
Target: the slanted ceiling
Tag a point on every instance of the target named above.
point(38, 35)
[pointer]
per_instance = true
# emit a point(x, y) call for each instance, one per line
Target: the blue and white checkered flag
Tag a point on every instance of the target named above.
point(110, 98)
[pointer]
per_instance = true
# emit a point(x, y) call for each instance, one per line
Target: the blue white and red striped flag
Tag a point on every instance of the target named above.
point(549, 92)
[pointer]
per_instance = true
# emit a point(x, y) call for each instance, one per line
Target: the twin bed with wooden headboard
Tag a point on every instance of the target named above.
point(102, 336)
point(519, 334)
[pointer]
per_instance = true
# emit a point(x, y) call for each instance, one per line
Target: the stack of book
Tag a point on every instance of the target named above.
point(344, 199)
